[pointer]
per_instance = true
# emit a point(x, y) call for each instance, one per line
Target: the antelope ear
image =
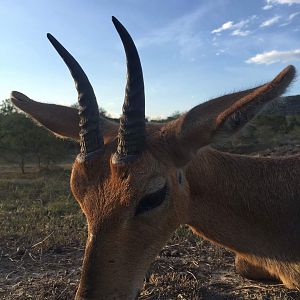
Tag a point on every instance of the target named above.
point(61, 120)
point(219, 118)
point(233, 118)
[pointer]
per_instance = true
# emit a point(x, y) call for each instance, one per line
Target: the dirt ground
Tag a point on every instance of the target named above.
point(42, 243)
point(187, 268)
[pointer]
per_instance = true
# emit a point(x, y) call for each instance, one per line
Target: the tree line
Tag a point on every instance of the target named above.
point(23, 142)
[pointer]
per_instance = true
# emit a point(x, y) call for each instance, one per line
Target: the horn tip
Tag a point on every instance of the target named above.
point(117, 23)
point(50, 37)
point(114, 19)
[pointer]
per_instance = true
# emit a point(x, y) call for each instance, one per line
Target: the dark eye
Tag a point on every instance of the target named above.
point(151, 201)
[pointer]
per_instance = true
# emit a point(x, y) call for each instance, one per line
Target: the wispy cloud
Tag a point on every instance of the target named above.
point(275, 56)
point(239, 32)
point(290, 19)
point(221, 51)
point(268, 6)
point(270, 22)
point(235, 27)
point(271, 3)
point(292, 16)
point(182, 31)
point(225, 26)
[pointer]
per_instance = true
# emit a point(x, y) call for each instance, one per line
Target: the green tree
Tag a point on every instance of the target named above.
point(16, 132)
point(7, 108)
point(173, 116)
point(21, 140)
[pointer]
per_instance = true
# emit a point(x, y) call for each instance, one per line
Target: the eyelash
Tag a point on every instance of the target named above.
point(151, 201)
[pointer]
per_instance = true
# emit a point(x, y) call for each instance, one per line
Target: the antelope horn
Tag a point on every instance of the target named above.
point(91, 137)
point(131, 136)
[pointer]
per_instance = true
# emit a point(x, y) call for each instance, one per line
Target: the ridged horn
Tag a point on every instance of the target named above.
point(131, 136)
point(91, 137)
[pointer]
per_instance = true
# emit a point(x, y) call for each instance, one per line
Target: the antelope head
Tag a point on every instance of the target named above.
point(129, 179)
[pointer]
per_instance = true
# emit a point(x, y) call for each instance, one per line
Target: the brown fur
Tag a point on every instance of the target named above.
point(249, 205)
point(257, 201)
point(50, 116)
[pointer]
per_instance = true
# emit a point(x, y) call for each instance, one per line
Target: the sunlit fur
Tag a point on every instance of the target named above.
point(120, 245)
point(249, 205)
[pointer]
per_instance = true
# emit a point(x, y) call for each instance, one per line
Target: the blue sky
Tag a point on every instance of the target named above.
point(191, 50)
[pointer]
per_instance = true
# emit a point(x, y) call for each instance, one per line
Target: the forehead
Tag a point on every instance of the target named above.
point(144, 174)
point(103, 189)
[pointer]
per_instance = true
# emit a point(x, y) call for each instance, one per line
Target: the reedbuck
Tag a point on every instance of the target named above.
point(137, 182)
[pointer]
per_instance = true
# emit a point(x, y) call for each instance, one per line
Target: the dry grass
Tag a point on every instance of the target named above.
point(42, 240)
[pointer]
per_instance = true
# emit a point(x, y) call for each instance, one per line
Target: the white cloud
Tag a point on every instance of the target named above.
point(292, 16)
point(289, 2)
point(271, 3)
point(225, 26)
point(274, 56)
point(221, 51)
point(239, 32)
point(266, 7)
point(284, 24)
point(290, 19)
point(236, 27)
point(215, 42)
point(270, 22)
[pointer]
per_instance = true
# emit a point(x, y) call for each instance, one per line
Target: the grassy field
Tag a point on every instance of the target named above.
point(42, 241)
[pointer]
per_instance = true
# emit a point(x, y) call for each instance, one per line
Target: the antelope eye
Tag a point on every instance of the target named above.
point(152, 200)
